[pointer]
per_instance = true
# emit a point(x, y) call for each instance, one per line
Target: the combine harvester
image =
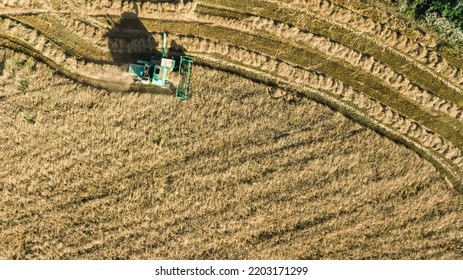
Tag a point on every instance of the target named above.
point(157, 70)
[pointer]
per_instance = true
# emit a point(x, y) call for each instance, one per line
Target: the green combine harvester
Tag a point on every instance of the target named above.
point(156, 71)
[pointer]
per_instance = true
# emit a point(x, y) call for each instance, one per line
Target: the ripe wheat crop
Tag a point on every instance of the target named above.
point(315, 129)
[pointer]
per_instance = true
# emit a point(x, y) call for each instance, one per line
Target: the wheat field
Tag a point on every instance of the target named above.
point(299, 140)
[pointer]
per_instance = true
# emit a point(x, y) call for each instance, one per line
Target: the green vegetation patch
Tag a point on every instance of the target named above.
point(450, 9)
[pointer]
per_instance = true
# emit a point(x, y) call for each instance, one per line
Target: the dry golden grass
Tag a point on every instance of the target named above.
point(238, 171)
point(361, 75)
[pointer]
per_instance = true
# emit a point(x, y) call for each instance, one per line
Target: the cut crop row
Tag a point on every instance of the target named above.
point(323, 11)
point(296, 37)
point(388, 36)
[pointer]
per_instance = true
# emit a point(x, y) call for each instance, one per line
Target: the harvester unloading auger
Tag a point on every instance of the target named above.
point(157, 70)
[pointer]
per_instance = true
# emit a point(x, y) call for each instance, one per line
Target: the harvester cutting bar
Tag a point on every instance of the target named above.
point(185, 72)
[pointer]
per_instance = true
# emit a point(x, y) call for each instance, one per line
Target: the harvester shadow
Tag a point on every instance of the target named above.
point(129, 40)
point(2, 62)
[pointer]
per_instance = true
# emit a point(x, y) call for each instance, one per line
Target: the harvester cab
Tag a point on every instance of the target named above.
point(156, 71)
